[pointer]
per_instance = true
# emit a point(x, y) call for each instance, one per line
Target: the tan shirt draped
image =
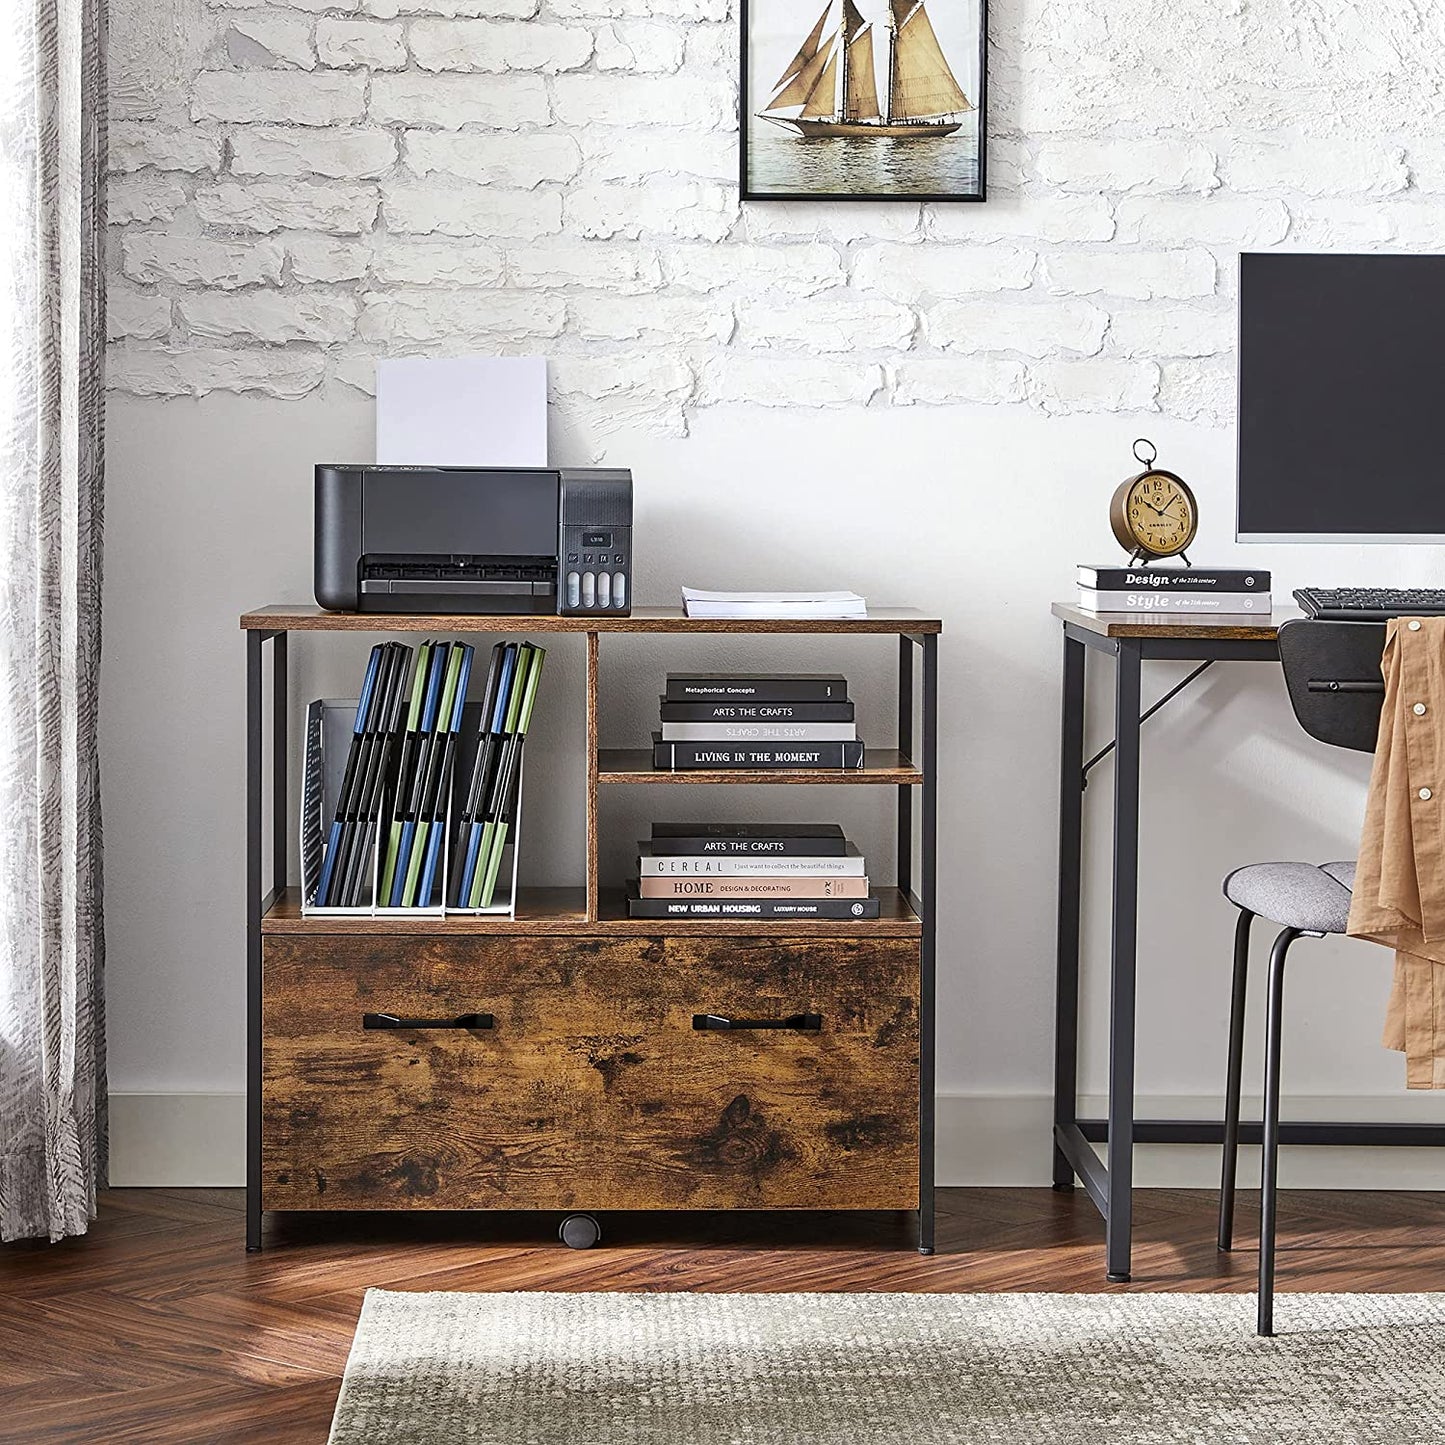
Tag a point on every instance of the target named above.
point(1399, 894)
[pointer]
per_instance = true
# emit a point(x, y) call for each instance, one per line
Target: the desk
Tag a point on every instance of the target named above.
point(1130, 639)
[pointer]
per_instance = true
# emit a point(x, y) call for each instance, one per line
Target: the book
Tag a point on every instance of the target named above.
point(677, 757)
point(772, 604)
point(1172, 579)
point(1231, 602)
point(653, 864)
point(783, 840)
point(756, 687)
point(759, 908)
point(755, 712)
point(722, 887)
point(703, 732)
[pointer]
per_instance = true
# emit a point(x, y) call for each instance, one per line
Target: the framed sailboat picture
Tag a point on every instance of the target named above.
point(869, 100)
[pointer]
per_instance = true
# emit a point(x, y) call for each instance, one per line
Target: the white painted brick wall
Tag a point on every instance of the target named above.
point(336, 179)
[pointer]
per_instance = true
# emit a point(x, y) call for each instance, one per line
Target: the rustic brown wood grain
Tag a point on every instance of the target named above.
point(1174, 624)
point(230, 1338)
point(303, 617)
point(593, 1091)
point(562, 911)
point(634, 765)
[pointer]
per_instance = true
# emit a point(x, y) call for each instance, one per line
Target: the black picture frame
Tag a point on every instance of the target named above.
point(745, 108)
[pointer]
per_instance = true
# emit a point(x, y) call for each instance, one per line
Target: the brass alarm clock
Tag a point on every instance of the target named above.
point(1153, 513)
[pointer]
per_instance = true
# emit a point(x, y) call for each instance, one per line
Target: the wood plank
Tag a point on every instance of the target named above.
point(593, 1089)
point(634, 765)
point(561, 913)
point(1181, 625)
point(311, 1277)
point(304, 617)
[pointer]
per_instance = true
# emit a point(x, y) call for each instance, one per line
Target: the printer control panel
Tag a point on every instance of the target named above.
point(595, 570)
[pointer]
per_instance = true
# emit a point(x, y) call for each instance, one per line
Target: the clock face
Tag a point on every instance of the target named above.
point(1160, 514)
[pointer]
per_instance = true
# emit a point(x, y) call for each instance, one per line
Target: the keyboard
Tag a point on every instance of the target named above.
point(1370, 604)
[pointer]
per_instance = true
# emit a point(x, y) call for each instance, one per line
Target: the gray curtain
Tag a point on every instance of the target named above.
point(52, 355)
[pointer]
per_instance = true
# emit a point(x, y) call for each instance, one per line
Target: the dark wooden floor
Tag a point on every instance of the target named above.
point(157, 1327)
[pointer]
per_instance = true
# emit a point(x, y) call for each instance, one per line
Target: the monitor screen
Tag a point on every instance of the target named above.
point(1341, 404)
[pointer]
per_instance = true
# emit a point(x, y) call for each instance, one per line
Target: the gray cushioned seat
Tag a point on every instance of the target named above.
point(1309, 896)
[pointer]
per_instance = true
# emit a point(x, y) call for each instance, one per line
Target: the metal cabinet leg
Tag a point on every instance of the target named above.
point(1269, 1179)
point(254, 892)
point(1066, 978)
point(1234, 1079)
point(1123, 958)
point(928, 895)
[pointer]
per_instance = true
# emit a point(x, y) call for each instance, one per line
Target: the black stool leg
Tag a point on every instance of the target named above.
point(1234, 1079)
point(1269, 1181)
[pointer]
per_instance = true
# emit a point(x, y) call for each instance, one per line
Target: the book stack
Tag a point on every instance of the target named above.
point(772, 604)
point(491, 796)
point(1233, 591)
point(759, 720)
point(750, 870)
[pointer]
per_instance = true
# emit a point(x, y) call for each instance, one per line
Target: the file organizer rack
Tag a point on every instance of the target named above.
point(324, 747)
point(406, 1059)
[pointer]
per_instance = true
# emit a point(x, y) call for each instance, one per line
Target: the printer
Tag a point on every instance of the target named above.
point(474, 539)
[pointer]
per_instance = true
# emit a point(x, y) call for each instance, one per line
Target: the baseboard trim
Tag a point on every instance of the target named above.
point(199, 1141)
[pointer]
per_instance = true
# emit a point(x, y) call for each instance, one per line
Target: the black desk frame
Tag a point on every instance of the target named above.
point(1110, 1182)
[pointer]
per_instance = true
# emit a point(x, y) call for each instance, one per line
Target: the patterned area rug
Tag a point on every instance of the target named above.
point(892, 1369)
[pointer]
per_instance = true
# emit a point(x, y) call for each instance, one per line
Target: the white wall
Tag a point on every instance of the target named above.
point(929, 405)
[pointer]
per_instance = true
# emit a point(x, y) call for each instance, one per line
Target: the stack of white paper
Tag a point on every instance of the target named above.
point(772, 604)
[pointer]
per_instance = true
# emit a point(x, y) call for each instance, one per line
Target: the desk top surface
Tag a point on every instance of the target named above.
point(304, 617)
point(1176, 624)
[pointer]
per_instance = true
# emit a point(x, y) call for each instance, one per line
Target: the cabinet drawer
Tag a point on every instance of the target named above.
point(593, 1087)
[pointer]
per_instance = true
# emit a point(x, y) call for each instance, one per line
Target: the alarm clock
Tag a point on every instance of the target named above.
point(1153, 513)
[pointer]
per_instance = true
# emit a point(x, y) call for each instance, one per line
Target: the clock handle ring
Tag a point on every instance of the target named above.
point(1153, 452)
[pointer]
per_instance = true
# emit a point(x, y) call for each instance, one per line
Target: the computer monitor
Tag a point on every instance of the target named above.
point(1341, 398)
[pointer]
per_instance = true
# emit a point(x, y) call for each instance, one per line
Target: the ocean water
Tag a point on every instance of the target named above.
point(780, 163)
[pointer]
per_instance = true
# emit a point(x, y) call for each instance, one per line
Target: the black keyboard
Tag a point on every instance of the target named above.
point(1370, 604)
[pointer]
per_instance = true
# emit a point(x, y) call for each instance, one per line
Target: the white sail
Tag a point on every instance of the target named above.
point(861, 102)
point(823, 100)
point(922, 84)
point(805, 54)
point(801, 86)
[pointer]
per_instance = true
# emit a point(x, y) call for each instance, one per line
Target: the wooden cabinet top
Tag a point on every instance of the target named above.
point(304, 617)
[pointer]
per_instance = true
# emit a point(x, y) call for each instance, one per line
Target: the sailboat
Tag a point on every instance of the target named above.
point(832, 79)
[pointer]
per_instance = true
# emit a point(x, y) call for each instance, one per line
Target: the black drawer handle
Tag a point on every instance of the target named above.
point(810, 1022)
point(462, 1021)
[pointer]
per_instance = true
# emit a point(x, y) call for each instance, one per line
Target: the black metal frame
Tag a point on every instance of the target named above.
point(259, 898)
point(1109, 1182)
point(914, 197)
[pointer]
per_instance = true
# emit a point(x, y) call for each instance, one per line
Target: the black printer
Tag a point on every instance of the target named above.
point(474, 539)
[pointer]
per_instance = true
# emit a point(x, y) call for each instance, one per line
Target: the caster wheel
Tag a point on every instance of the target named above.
point(579, 1231)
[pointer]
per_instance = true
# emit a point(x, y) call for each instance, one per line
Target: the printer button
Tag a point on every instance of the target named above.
point(619, 589)
point(604, 589)
point(589, 589)
point(574, 590)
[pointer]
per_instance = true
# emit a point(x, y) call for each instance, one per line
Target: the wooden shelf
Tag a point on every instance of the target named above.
point(1177, 625)
point(544, 911)
point(634, 765)
point(300, 617)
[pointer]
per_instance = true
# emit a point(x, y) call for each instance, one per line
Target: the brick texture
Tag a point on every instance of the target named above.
point(333, 180)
